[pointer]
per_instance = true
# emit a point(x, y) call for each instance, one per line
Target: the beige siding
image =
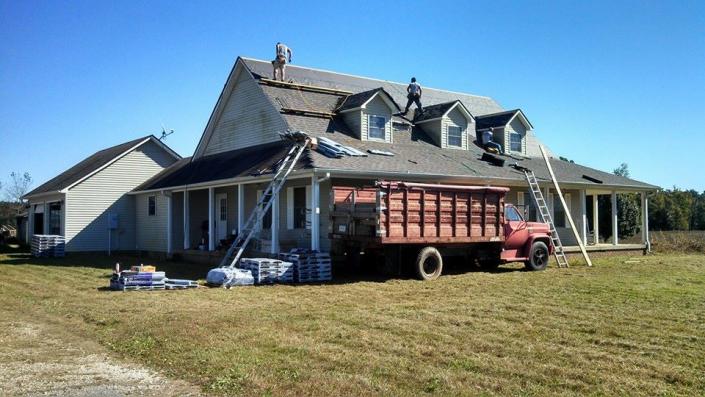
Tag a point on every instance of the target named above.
point(377, 107)
point(498, 135)
point(247, 119)
point(516, 126)
point(151, 230)
point(455, 118)
point(88, 203)
point(434, 130)
point(354, 122)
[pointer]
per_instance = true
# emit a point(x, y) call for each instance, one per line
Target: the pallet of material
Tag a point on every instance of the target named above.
point(48, 245)
point(268, 271)
point(309, 265)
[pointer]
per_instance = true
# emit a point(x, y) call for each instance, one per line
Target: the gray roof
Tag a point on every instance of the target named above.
point(84, 168)
point(495, 120)
point(356, 100)
point(475, 104)
point(434, 111)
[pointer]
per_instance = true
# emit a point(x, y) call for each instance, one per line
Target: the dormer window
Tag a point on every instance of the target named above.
point(515, 142)
point(376, 127)
point(455, 136)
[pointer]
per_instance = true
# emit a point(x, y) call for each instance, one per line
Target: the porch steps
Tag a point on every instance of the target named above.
point(250, 228)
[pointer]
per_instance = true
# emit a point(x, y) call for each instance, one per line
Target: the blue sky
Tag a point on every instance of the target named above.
point(602, 82)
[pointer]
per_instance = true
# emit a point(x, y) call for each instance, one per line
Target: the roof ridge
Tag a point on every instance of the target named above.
point(498, 113)
point(367, 78)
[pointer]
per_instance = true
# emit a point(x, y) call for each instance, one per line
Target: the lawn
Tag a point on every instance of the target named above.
point(635, 328)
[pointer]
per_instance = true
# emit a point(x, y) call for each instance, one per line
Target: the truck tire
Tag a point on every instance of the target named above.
point(538, 256)
point(429, 264)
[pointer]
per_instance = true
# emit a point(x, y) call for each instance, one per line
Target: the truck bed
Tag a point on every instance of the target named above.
point(416, 213)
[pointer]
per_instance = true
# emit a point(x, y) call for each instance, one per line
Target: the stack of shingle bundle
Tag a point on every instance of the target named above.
point(45, 245)
point(135, 280)
point(309, 265)
point(267, 271)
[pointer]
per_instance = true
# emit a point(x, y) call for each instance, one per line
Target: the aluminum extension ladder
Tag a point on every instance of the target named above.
point(546, 217)
point(264, 203)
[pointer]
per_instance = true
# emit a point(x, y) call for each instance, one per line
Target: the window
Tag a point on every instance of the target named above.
point(300, 208)
point(375, 127)
point(515, 142)
point(455, 136)
point(55, 218)
point(223, 209)
point(152, 205)
point(529, 207)
point(512, 214)
point(559, 216)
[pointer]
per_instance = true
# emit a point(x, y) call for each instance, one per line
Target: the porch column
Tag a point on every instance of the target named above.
point(46, 218)
point(645, 221)
point(548, 201)
point(187, 222)
point(169, 222)
point(274, 247)
point(30, 223)
point(240, 207)
point(211, 221)
point(596, 218)
point(583, 219)
point(615, 219)
point(315, 213)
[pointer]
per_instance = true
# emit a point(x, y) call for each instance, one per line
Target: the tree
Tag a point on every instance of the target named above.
point(628, 208)
point(18, 187)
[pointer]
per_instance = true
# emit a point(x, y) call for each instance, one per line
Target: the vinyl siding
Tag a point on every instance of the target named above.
point(515, 126)
point(247, 119)
point(457, 119)
point(150, 230)
point(377, 107)
point(89, 203)
point(434, 130)
point(354, 122)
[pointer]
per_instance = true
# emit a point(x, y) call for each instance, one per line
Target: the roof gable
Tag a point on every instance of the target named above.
point(501, 119)
point(435, 112)
point(93, 164)
point(360, 100)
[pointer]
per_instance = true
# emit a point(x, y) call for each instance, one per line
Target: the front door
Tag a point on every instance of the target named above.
point(221, 216)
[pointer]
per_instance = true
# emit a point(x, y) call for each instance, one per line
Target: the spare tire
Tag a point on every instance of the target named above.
point(429, 264)
point(538, 256)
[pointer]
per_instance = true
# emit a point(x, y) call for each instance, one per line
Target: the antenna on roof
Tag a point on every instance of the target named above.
point(165, 133)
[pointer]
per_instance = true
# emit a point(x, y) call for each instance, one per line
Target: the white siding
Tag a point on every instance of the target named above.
point(89, 202)
point(247, 119)
point(515, 126)
point(434, 129)
point(150, 230)
point(455, 118)
point(354, 122)
point(377, 107)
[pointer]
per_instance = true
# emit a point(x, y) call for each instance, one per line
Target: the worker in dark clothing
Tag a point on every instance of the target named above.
point(279, 63)
point(488, 143)
point(414, 95)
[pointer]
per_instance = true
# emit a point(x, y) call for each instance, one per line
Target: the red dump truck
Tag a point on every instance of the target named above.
point(420, 224)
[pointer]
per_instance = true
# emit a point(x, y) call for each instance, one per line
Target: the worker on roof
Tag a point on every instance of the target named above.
point(413, 95)
point(488, 143)
point(283, 53)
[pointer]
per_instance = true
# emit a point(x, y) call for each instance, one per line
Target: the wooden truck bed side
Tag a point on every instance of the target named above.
point(415, 213)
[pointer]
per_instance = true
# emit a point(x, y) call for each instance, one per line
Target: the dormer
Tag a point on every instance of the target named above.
point(369, 115)
point(509, 129)
point(448, 124)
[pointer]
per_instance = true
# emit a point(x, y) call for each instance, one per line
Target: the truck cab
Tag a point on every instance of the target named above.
point(528, 242)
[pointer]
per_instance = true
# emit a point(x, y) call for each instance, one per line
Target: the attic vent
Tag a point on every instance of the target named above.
point(591, 179)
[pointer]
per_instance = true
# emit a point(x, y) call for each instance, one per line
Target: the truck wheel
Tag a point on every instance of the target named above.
point(538, 256)
point(429, 264)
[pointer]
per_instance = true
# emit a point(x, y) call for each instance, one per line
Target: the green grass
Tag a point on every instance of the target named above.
point(614, 329)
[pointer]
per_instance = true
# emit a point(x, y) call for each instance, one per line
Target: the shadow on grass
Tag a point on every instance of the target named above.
point(193, 271)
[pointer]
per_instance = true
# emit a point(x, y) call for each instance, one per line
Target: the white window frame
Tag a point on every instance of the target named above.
point(462, 131)
point(521, 143)
point(369, 128)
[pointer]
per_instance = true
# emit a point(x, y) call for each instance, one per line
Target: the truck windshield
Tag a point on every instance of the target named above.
point(512, 214)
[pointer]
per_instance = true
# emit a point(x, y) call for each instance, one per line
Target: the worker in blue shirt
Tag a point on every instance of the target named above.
point(413, 95)
point(488, 143)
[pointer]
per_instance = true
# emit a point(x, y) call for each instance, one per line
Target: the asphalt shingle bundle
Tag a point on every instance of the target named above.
point(309, 265)
point(268, 271)
point(45, 245)
point(135, 280)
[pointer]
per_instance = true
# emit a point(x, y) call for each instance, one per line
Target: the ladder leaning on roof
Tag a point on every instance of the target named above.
point(545, 215)
point(284, 168)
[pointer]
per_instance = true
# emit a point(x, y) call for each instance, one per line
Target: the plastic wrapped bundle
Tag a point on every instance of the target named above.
point(227, 276)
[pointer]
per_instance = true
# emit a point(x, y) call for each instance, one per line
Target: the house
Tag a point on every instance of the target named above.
point(88, 204)
point(201, 200)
